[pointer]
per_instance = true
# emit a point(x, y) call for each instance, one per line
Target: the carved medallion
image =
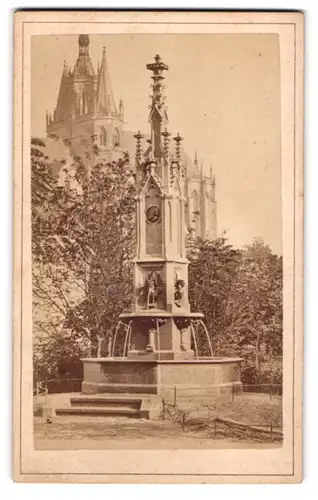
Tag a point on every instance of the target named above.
point(153, 214)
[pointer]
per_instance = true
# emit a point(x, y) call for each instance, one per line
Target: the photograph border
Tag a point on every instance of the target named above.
point(21, 19)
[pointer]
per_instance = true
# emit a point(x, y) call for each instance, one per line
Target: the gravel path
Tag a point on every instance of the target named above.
point(122, 433)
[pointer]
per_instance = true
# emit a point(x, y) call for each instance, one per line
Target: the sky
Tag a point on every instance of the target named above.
point(223, 96)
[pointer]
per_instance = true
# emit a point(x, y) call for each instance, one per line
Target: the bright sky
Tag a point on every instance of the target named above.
point(223, 95)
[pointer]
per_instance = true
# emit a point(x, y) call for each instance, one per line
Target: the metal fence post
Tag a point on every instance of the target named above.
point(271, 427)
point(183, 421)
point(163, 409)
point(175, 396)
point(232, 393)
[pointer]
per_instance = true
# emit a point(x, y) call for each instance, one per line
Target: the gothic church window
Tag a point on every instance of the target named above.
point(103, 136)
point(116, 137)
point(186, 214)
point(196, 213)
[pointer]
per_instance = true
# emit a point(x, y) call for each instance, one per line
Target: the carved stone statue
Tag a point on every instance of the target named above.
point(151, 297)
point(152, 289)
point(179, 290)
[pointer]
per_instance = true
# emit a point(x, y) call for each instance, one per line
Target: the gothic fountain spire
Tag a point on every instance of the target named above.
point(158, 117)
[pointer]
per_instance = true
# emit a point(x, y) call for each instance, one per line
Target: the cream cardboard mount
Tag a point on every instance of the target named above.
point(158, 388)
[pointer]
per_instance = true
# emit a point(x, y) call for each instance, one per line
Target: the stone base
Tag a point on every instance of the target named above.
point(160, 356)
point(152, 376)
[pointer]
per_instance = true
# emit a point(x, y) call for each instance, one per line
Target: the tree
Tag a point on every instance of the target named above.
point(82, 246)
point(240, 294)
point(212, 272)
point(262, 280)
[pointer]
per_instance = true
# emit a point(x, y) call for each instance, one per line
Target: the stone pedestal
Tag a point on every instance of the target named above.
point(185, 339)
point(160, 335)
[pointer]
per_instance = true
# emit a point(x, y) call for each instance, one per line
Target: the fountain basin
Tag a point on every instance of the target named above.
point(154, 376)
point(157, 313)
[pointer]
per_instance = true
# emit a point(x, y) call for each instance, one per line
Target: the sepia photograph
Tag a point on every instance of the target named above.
point(156, 248)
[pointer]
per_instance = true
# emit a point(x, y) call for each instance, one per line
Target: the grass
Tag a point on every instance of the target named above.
point(199, 430)
point(257, 410)
point(254, 409)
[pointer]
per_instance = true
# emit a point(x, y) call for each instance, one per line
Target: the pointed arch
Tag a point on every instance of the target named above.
point(103, 136)
point(152, 182)
point(116, 137)
point(195, 200)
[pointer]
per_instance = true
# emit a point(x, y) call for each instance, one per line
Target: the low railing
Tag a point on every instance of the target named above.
point(58, 385)
point(199, 413)
point(41, 390)
point(230, 393)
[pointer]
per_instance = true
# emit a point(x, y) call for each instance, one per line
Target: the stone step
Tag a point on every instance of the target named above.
point(86, 411)
point(107, 401)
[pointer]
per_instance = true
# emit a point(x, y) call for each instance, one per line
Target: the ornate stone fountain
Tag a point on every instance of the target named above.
point(161, 346)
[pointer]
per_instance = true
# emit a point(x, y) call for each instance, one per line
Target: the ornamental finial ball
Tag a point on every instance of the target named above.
point(83, 40)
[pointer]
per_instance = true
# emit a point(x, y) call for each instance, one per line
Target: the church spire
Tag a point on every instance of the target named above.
point(83, 65)
point(83, 45)
point(213, 187)
point(65, 69)
point(196, 170)
point(121, 108)
point(105, 102)
point(196, 157)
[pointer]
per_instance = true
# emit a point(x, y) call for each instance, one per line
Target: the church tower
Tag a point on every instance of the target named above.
point(86, 116)
point(209, 207)
point(89, 121)
point(201, 207)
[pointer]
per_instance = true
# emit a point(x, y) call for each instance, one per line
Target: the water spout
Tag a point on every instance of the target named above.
point(194, 340)
point(127, 338)
point(115, 336)
point(158, 337)
point(200, 322)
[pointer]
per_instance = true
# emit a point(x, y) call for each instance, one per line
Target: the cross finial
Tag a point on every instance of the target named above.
point(157, 68)
point(138, 136)
point(178, 138)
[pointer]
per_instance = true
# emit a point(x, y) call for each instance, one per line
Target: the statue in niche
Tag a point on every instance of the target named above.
point(152, 289)
point(178, 290)
point(151, 296)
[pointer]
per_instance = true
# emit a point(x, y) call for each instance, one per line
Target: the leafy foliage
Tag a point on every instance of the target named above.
point(82, 245)
point(240, 294)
